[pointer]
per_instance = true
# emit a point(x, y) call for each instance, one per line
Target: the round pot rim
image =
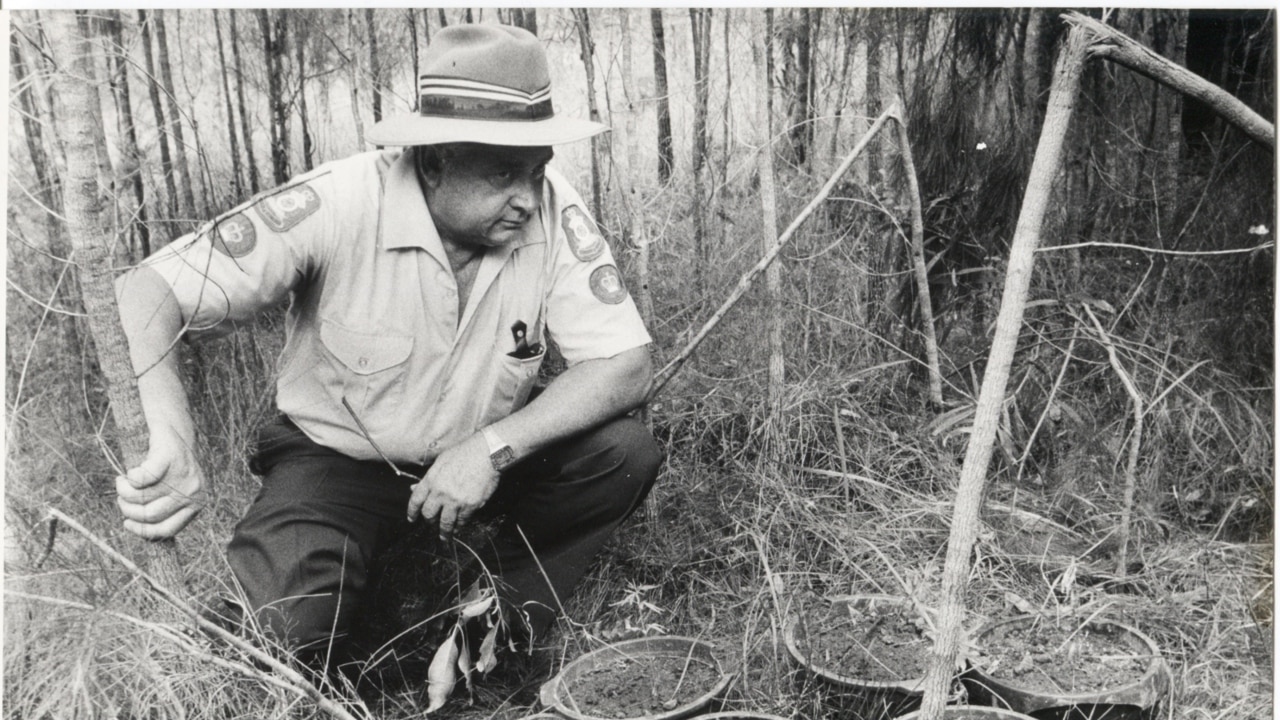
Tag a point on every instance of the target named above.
point(1004, 712)
point(1154, 675)
point(730, 714)
point(549, 693)
point(912, 686)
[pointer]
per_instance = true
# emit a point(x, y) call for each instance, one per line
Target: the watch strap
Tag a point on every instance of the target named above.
point(500, 453)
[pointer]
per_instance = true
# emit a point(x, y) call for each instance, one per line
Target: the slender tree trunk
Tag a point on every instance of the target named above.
point(666, 150)
point(726, 127)
point(861, 92)
point(162, 134)
point(769, 215)
point(413, 50)
point(374, 73)
point(254, 184)
point(300, 31)
point(964, 520)
point(842, 84)
point(186, 200)
point(130, 166)
point(93, 257)
point(632, 201)
point(106, 175)
point(444, 21)
point(700, 24)
point(353, 75)
point(237, 173)
point(272, 25)
point(801, 128)
point(924, 299)
point(526, 18)
point(582, 20)
point(1175, 49)
point(48, 192)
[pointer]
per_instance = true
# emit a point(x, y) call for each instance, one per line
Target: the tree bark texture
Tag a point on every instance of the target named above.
point(582, 21)
point(412, 17)
point(237, 173)
point(254, 184)
point(93, 259)
point(375, 82)
point(632, 201)
point(186, 199)
point(924, 300)
point(271, 24)
point(662, 95)
point(162, 133)
point(973, 473)
point(353, 74)
point(129, 170)
point(1117, 47)
point(300, 32)
point(700, 25)
point(769, 217)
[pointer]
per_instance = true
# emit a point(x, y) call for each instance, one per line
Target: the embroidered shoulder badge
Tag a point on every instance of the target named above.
point(585, 240)
point(282, 210)
point(606, 285)
point(234, 236)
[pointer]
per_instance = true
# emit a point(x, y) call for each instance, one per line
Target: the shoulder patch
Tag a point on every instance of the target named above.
point(288, 207)
point(606, 285)
point(585, 239)
point(234, 236)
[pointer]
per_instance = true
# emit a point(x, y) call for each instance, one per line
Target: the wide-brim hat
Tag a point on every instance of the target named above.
point(483, 84)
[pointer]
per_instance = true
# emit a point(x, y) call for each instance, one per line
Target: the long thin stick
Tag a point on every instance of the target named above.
point(923, 299)
point(1135, 442)
point(1119, 48)
point(995, 380)
point(287, 673)
point(744, 284)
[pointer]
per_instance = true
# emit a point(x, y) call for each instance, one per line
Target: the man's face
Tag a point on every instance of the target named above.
point(484, 195)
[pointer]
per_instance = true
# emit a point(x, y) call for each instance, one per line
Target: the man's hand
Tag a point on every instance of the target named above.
point(159, 497)
point(455, 486)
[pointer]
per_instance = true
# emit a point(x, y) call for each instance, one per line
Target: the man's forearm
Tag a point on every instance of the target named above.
point(152, 322)
point(581, 397)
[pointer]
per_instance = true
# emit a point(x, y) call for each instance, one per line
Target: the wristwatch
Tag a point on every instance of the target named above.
point(500, 453)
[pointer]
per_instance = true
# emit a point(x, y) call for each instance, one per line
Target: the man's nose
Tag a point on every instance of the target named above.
point(526, 194)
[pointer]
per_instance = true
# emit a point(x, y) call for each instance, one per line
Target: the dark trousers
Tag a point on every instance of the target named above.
point(304, 551)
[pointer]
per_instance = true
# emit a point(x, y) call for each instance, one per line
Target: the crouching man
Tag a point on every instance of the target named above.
point(423, 285)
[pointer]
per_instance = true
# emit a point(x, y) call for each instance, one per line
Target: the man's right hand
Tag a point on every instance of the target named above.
point(159, 497)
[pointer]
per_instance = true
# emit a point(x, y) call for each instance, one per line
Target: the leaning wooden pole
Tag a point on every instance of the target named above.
point(1121, 49)
point(91, 251)
point(924, 300)
point(744, 283)
point(964, 520)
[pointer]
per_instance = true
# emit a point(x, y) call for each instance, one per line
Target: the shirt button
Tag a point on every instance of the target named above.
point(363, 363)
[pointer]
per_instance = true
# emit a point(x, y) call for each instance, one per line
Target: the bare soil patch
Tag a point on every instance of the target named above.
point(1063, 657)
point(881, 642)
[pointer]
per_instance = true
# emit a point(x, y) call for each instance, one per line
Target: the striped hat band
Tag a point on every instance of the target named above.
point(452, 97)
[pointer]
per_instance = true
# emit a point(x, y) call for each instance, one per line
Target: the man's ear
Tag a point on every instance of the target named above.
point(430, 165)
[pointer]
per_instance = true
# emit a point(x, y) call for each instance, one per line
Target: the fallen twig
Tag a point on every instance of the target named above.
point(292, 678)
point(664, 376)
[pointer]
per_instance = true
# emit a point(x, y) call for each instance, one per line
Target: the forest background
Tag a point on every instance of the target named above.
point(808, 453)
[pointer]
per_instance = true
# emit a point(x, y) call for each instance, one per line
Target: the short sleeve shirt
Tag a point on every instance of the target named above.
point(373, 332)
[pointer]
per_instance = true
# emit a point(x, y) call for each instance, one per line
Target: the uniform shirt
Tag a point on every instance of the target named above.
point(373, 306)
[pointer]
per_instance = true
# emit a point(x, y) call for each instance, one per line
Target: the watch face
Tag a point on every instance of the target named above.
point(502, 457)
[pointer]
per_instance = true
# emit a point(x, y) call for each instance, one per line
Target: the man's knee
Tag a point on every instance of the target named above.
point(626, 453)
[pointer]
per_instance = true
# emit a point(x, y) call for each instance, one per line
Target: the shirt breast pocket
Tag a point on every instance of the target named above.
point(368, 369)
point(515, 380)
